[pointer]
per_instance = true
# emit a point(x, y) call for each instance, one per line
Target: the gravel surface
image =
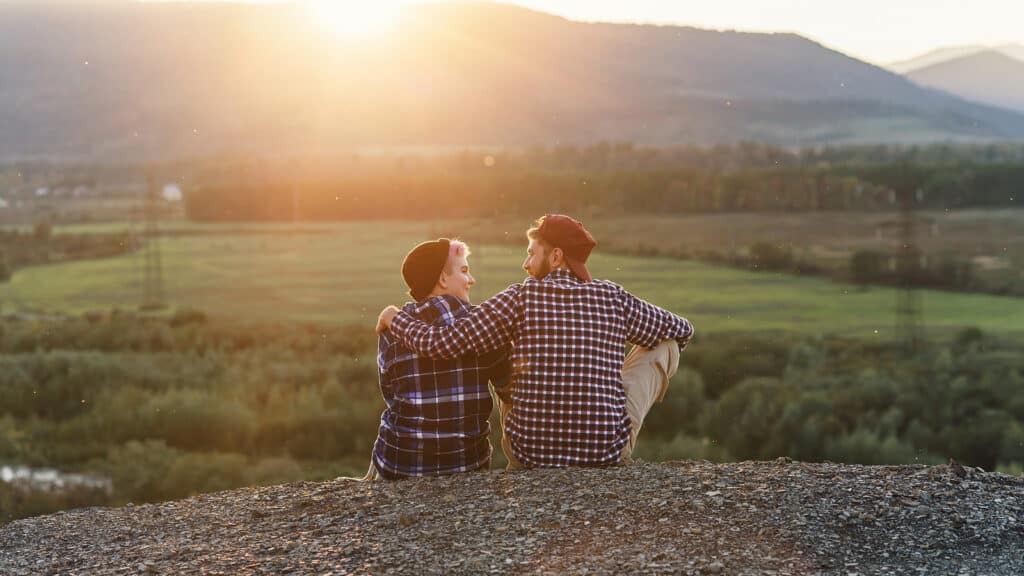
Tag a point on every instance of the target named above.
point(765, 518)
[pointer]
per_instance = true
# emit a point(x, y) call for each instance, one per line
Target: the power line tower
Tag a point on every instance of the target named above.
point(152, 264)
point(908, 266)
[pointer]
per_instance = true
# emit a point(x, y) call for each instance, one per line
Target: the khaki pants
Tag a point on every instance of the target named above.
point(645, 377)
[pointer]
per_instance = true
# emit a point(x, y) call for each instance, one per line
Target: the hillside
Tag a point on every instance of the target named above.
point(934, 57)
point(680, 517)
point(988, 77)
point(948, 53)
point(131, 80)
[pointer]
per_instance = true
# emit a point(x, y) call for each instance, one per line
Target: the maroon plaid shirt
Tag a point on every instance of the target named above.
point(568, 405)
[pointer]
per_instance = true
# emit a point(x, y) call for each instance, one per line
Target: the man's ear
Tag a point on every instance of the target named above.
point(557, 258)
point(442, 280)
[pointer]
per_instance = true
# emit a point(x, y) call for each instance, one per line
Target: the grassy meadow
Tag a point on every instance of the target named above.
point(344, 273)
point(275, 379)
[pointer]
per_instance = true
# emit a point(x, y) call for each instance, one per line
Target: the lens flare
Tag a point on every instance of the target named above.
point(355, 19)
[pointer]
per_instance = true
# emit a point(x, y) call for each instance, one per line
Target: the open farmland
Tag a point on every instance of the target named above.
point(992, 241)
point(345, 272)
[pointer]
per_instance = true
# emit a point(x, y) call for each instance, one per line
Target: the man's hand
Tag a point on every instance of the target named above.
point(385, 318)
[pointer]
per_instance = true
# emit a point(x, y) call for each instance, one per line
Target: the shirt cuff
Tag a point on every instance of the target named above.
point(400, 323)
point(683, 341)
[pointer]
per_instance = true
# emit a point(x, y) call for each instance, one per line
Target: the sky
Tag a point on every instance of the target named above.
point(877, 31)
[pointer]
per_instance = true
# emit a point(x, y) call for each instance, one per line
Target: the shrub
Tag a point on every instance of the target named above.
point(680, 410)
point(138, 470)
point(192, 419)
point(868, 266)
point(270, 471)
point(195, 473)
point(868, 447)
point(746, 418)
point(680, 447)
point(24, 502)
point(771, 256)
point(1011, 448)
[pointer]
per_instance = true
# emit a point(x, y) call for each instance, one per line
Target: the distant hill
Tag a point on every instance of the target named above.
point(988, 77)
point(934, 57)
point(952, 53)
point(1012, 50)
point(172, 79)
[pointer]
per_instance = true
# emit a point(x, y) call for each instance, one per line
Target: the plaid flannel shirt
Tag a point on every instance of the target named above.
point(437, 416)
point(568, 404)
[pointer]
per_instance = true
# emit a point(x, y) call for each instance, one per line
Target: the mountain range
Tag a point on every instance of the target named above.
point(947, 53)
point(145, 80)
point(992, 76)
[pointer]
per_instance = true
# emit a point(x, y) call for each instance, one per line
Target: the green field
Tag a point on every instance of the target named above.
point(346, 272)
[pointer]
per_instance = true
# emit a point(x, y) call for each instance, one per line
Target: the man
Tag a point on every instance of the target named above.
point(575, 399)
point(437, 416)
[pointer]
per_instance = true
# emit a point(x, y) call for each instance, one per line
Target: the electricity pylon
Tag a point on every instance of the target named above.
point(909, 267)
point(152, 267)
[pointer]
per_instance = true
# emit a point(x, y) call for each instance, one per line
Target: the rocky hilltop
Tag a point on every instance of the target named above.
point(765, 518)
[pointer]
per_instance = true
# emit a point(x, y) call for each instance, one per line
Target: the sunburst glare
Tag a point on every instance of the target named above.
point(355, 19)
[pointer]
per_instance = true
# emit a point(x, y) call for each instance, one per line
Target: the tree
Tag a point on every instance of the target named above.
point(771, 256)
point(42, 231)
point(867, 266)
point(5, 269)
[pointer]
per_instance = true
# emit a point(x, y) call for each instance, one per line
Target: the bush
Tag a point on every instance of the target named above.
point(967, 337)
point(868, 266)
point(681, 408)
point(194, 473)
point(138, 470)
point(42, 231)
point(187, 316)
point(724, 361)
point(868, 447)
point(979, 439)
point(1012, 468)
point(771, 256)
point(192, 419)
point(23, 502)
point(270, 471)
point(681, 447)
point(746, 419)
point(1011, 449)
point(13, 440)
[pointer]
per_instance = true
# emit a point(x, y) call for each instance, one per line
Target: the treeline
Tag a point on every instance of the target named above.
point(170, 407)
point(180, 405)
point(602, 181)
point(19, 249)
point(945, 271)
point(599, 157)
point(756, 397)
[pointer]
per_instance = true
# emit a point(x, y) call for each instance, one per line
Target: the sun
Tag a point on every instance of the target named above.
point(355, 19)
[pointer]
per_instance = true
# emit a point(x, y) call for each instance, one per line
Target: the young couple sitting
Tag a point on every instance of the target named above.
point(552, 346)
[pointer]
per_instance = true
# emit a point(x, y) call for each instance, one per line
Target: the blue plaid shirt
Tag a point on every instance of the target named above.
point(437, 416)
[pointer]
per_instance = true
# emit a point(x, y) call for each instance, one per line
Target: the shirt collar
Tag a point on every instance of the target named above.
point(561, 276)
point(441, 309)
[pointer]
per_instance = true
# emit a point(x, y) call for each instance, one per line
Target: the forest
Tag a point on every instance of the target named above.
point(606, 180)
point(173, 406)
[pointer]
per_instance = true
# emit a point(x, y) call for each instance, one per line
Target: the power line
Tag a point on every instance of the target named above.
point(909, 266)
point(152, 270)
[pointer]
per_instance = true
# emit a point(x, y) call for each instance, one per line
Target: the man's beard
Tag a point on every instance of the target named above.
point(543, 270)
